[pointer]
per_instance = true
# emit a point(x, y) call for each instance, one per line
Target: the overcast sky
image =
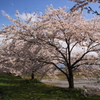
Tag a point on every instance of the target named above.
point(30, 6)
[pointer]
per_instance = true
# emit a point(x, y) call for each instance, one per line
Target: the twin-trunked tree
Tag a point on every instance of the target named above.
point(65, 38)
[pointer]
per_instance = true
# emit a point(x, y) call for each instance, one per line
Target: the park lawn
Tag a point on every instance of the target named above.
point(16, 88)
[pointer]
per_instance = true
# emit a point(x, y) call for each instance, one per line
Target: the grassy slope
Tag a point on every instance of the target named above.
point(15, 88)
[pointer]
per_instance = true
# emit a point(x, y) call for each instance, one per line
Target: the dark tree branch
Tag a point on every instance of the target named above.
point(55, 66)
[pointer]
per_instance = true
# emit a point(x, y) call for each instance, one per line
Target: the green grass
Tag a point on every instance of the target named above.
point(15, 88)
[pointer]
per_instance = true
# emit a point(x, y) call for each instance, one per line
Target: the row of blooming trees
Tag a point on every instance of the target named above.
point(60, 38)
point(19, 58)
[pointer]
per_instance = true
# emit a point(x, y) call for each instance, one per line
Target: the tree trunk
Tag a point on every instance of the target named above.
point(71, 80)
point(32, 75)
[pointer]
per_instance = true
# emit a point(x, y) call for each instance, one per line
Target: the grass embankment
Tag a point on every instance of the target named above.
point(15, 88)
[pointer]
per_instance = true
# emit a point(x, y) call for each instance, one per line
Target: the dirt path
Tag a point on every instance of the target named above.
point(78, 83)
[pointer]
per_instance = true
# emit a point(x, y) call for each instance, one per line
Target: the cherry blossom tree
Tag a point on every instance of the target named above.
point(19, 52)
point(19, 59)
point(65, 38)
point(81, 4)
point(64, 32)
